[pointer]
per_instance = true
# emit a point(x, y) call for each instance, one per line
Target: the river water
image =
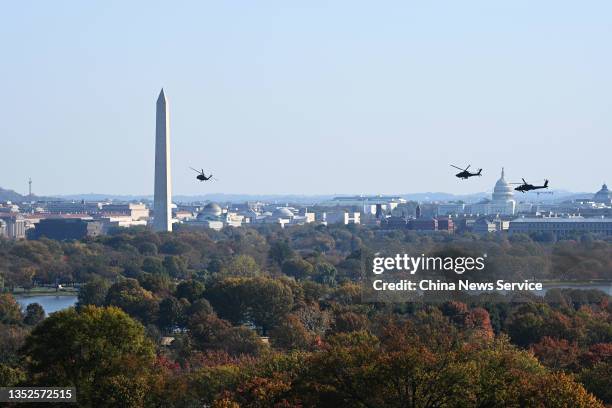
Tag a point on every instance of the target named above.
point(51, 303)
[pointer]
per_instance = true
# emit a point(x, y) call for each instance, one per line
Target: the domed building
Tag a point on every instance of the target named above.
point(286, 216)
point(211, 210)
point(211, 216)
point(502, 192)
point(214, 217)
point(603, 196)
point(283, 212)
point(502, 200)
point(280, 215)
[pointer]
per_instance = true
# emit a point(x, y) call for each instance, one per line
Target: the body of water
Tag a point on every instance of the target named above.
point(51, 303)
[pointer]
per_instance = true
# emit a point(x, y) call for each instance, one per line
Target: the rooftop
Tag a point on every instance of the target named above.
point(561, 219)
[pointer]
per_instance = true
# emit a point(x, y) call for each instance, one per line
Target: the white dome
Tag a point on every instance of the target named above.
point(502, 190)
point(283, 212)
point(212, 209)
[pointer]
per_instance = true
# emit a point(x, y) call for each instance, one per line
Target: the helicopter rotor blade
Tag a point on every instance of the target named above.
point(524, 182)
point(197, 171)
point(457, 167)
point(467, 167)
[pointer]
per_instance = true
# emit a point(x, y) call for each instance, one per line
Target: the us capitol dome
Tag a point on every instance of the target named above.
point(502, 200)
point(603, 196)
point(502, 192)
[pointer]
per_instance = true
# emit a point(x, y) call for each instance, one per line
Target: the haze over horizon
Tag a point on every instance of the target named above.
point(312, 99)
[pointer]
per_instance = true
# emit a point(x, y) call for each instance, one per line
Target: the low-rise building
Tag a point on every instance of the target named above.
point(423, 224)
point(483, 226)
point(72, 207)
point(342, 217)
point(368, 204)
point(14, 225)
point(562, 226)
point(111, 221)
point(136, 211)
point(444, 209)
point(394, 222)
point(65, 228)
point(446, 225)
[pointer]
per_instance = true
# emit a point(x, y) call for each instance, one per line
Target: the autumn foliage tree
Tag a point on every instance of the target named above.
point(101, 351)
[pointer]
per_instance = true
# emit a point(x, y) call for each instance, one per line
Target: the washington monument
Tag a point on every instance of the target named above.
point(162, 220)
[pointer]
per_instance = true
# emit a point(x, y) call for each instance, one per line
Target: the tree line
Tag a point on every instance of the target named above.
point(272, 317)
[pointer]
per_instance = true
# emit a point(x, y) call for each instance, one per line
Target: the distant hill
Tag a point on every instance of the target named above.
point(557, 196)
point(10, 195)
point(439, 196)
point(222, 198)
point(104, 197)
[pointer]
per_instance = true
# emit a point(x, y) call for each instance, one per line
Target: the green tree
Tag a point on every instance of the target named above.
point(209, 383)
point(11, 376)
point(598, 380)
point(298, 268)
point(11, 339)
point(101, 351)
point(325, 273)
point(279, 252)
point(174, 247)
point(159, 284)
point(241, 265)
point(147, 248)
point(269, 302)
point(347, 321)
point(93, 293)
point(153, 265)
point(229, 299)
point(291, 334)
point(133, 299)
point(557, 390)
point(34, 314)
point(211, 333)
point(190, 290)
point(10, 311)
point(170, 312)
point(175, 266)
point(200, 306)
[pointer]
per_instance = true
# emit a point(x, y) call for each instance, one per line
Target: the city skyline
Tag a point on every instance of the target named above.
point(287, 99)
point(562, 194)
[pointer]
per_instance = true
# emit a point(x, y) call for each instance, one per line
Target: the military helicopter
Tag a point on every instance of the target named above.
point(201, 176)
point(465, 174)
point(525, 186)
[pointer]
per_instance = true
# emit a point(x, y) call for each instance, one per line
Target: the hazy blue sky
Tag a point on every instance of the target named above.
point(305, 97)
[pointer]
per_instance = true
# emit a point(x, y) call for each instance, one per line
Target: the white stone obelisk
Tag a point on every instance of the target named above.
point(162, 198)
